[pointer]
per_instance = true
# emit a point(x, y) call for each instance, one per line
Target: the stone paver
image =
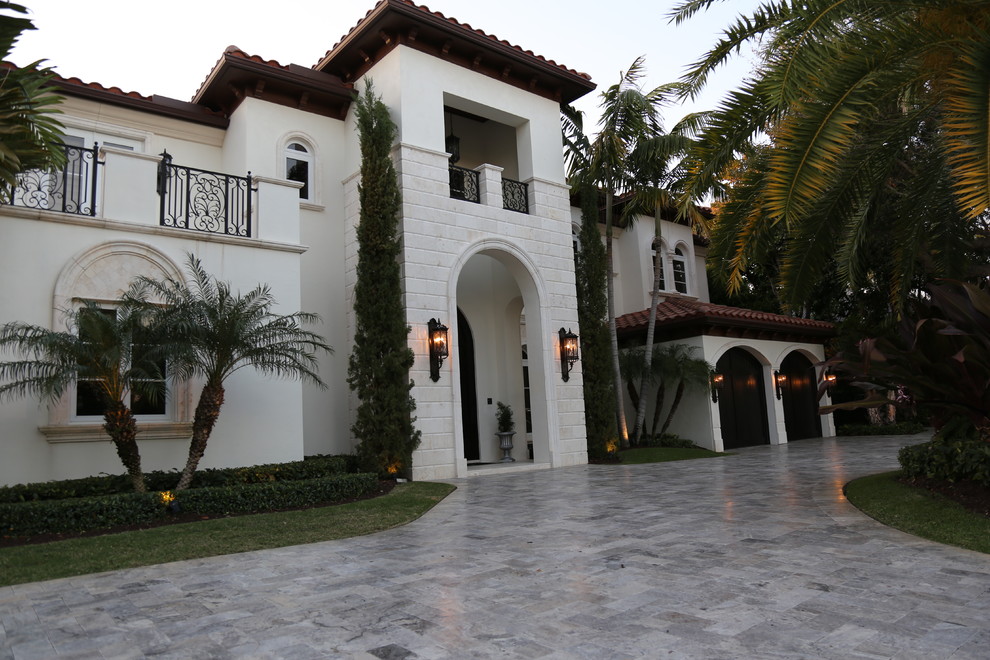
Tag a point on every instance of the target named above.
point(757, 555)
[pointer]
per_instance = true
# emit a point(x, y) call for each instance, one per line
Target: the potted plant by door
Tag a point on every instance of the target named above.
point(506, 429)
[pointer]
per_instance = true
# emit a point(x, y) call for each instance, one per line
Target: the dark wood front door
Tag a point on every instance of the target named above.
point(742, 404)
point(800, 398)
point(469, 390)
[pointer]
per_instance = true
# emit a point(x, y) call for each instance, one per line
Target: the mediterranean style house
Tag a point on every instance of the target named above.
point(257, 176)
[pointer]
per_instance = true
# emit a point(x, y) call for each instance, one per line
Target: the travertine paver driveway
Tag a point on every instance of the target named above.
point(751, 556)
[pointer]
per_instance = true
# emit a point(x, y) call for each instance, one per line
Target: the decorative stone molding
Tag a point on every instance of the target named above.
point(95, 433)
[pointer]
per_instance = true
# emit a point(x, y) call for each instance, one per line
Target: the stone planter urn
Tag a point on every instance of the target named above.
point(505, 444)
point(506, 429)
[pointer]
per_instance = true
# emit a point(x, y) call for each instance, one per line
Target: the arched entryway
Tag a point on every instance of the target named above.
point(499, 309)
point(799, 396)
point(742, 405)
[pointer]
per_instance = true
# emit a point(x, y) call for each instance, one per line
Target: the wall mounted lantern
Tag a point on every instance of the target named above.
point(717, 383)
point(779, 380)
point(438, 347)
point(829, 379)
point(568, 352)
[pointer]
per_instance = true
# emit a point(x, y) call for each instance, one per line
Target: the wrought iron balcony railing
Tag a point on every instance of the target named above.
point(205, 201)
point(464, 184)
point(515, 196)
point(70, 189)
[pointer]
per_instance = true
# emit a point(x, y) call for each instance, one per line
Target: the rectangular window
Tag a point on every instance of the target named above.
point(663, 284)
point(298, 170)
point(680, 276)
point(90, 398)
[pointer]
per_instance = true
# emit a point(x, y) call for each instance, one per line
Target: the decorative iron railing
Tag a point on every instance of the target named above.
point(70, 189)
point(515, 195)
point(205, 201)
point(464, 184)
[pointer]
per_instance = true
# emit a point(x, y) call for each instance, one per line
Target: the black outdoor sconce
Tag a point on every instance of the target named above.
point(779, 380)
point(438, 347)
point(717, 382)
point(568, 352)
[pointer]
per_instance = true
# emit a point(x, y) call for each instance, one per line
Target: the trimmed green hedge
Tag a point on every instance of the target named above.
point(948, 460)
point(668, 440)
point(311, 468)
point(79, 514)
point(897, 428)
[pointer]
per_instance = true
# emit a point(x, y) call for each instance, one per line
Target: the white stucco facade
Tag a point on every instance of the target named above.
point(495, 263)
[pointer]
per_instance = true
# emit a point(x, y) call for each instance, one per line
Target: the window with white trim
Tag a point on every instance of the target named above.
point(299, 167)
point(680, 271)
point(657, 253)
point(89, 400)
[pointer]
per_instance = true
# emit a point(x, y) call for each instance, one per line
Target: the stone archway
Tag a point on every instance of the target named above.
point(497, 297)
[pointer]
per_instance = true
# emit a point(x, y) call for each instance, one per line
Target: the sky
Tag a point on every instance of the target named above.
point(168, 48)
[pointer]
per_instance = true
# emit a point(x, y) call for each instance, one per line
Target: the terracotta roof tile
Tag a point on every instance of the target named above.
point(464, 26)
point(117, 91)
point(675, 309)
point(236, 52)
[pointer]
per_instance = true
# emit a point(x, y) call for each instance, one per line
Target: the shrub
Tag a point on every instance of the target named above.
point(948, 458)
point(668, 440)
point(897, 428)
point(80, 514)
point(311, 468)
point(272, 496)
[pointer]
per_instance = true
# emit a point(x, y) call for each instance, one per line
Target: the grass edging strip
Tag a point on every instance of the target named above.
point(639, 455)
point(220, 536)
point(919, 512)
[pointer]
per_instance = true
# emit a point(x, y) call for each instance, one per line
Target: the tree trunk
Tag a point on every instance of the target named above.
point(620, 412)
point(650, 328)
point(118, 422)
point(207, 412)
point(633, 394)
point(661, 393)
point(673, 406)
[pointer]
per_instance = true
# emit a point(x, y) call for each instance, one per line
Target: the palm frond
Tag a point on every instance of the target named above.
point(967, 124)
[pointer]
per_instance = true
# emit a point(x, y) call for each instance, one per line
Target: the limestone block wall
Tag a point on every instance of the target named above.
point(439, 235)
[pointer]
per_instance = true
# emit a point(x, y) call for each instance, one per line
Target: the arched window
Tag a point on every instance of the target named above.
point(657, 253)
point(102, 274)
point(680, 271)
point(299, 167)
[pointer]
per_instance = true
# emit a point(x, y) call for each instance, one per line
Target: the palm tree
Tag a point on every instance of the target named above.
point(897, 71)
point(672, 366)
point(680, 366)
point(656, 178)
point(211, 332)
point(590, 284)
point(30, 133)
point(628, 115)
point(103, 352)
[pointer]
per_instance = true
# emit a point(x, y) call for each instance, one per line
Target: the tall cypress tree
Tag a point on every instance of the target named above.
point(378, 369)
point(591, 272)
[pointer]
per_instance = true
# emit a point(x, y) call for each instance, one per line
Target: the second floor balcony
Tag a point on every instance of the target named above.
point(467, 185)
point(134, 188)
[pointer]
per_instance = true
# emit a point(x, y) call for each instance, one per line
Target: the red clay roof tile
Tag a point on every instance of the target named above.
point(464, 26)
point(675, 309)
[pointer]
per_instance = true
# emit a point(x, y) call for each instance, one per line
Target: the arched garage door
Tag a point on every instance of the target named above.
point(800, 398)
point(742, 405)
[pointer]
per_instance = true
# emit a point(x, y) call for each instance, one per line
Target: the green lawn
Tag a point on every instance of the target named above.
point(918, 512)
point(664, 454)
point(221, 536)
